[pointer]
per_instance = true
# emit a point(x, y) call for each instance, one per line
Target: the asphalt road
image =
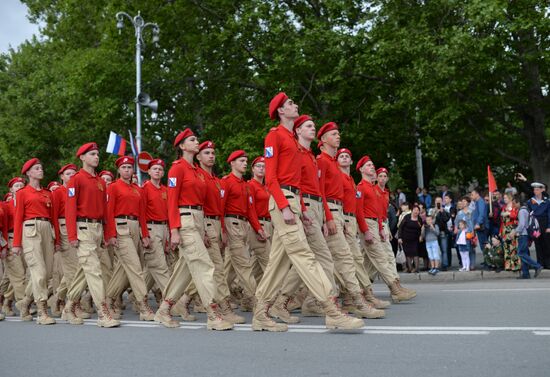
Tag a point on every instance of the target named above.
point(501, 328)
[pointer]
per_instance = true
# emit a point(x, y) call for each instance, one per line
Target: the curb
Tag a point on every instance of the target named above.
point(445, 276)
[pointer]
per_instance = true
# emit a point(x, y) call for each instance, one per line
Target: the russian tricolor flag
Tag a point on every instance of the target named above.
point(116, 144)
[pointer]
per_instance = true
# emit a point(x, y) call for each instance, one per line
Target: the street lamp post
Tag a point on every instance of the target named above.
point(418, 152)
point(139, 25)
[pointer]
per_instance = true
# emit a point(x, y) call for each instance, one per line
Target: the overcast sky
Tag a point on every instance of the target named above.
point(14, 25)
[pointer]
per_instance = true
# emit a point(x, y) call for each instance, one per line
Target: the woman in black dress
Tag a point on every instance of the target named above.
point(409, 236)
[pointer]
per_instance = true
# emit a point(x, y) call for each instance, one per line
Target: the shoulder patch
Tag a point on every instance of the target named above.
point(71, 192)
point(268, 152)
point(172, 182)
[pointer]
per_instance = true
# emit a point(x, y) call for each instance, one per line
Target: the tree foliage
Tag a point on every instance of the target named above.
point(470, 76)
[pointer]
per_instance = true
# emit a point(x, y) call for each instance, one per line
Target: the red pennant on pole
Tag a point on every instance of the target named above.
point(491, 179)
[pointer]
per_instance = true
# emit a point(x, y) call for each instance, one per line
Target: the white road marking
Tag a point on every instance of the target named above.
point(320, 329)
point(497, 290)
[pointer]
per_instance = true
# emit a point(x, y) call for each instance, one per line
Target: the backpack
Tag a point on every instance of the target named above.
point(533, 227)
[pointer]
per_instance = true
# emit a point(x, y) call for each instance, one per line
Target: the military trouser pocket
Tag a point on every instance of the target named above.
point(122, 228)
point(294, 238)
point(83, 255)
point(30, 258)
point(30, 230)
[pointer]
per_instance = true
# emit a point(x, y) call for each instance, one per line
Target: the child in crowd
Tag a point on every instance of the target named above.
point(493, 254)
point(430, 233)
point(463, 245)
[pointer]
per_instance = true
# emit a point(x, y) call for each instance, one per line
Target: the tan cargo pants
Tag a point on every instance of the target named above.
point(128, 266)
point(318, 244)
point(377, 259)
point(289, 247)
point(194, 262)
point(38, 248)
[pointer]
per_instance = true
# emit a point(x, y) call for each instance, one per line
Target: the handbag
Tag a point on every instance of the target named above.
point(400, 257)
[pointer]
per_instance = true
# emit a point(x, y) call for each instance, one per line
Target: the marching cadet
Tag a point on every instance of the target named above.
point(383, 195)
point(52, 186)
point(14, 265)
point(304, 129)
point(259, 249)
point(186, 197)
point(67, 253)
point(371, 240)
point(107, 176)
point(34, 233)
point(289, 243)
point(213, 232)
point(85, 212)
point(107, 259)
point(4, 245)
point(155, 197)
point(332, 187)
point(239, 216)
point(125, 226)
point(352, 222)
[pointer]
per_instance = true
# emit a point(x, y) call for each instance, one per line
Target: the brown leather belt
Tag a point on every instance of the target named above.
point(87, 220)
point(198, 208)
point(314, 197)
point(40, 218)
point(153, 222)
point(126, 217)
point(236, 216)
point(293, 189)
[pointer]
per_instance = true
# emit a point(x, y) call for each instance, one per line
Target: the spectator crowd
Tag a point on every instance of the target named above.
point(428, 229)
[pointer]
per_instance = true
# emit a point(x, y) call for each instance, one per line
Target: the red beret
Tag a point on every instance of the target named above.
point(86, 148)
point(301, 120)
point(9, 195)
point(52, 184)
point(107, 172)
point(124, 160)
point(343, 150)
point(206, 145)
point(258, 159)
point(156, 161)
point(29, 164)
point(15, 180)
point(182, 136)
point(66, 167)
point(382, 170)
point(237, 154)
point(326, 128)
point(275, 103)
point(362, 162)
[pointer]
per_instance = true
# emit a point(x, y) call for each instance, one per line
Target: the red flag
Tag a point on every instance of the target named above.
point(491, 178)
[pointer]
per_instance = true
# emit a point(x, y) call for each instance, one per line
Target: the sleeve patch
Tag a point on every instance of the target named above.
point(71, 192)
point(172, 182)
point(268, 152)
point(358, 194)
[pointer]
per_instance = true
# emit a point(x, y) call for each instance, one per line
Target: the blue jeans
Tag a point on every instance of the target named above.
point(444, 246)
point(523, 253)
